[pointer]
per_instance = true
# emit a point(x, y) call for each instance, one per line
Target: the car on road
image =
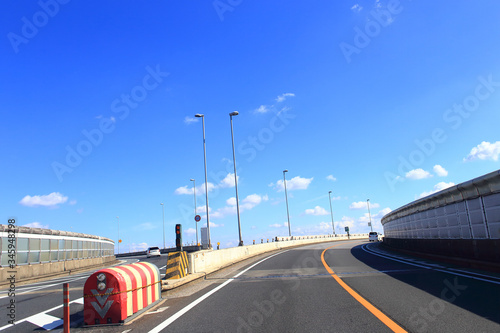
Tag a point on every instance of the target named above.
point(373, 236)
point(153, 251)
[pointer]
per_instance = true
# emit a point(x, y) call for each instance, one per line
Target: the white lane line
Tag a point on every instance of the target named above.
point(454, 272)
point(180, 313)
point(31, 289)
point(78, 301)
point(45, 321)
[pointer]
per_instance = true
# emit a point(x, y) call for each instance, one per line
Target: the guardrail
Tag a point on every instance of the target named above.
point(470, 210)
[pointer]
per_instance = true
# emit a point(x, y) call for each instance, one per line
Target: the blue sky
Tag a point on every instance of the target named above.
point(386, 100)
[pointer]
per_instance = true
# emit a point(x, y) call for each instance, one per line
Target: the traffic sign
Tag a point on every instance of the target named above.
point(197, 218)
point(119, 241)
point(346, 229)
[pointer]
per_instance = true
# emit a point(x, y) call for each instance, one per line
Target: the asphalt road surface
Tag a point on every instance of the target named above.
point(348, 286)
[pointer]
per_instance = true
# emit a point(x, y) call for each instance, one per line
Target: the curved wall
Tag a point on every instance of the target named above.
point(461, 221)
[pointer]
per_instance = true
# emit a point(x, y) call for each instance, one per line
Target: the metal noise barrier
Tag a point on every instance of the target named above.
point(177, 265)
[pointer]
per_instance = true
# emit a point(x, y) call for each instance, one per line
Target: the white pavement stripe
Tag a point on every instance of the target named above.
point(45, 321)
point(180, 313)
point(44, 312)
point(78, 301)
point(447, 271)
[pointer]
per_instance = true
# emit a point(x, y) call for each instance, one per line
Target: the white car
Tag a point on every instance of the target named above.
point(373, 236)
point(153, 251)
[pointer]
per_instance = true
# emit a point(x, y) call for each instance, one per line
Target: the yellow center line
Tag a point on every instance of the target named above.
point(376, 312)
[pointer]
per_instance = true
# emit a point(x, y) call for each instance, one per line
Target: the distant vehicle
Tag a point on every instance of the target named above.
point(153, 251)
point(373, 236)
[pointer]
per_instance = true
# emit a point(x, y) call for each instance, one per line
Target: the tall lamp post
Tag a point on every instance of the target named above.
point(369, 214)
point(163, 214)
point(235, 113)
point(118, 234)
point(196, 222)
point(198, 115)
point(286, 198)
point(331, 210)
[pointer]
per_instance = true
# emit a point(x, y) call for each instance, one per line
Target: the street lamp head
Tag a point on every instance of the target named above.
point(199, 115)
point(161, 204)
point(192, 180)
point(285, 171)
point(234, 113)
point(367, 199)
point(330, 192)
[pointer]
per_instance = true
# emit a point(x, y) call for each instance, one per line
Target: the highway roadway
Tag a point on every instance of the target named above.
point(347, 286)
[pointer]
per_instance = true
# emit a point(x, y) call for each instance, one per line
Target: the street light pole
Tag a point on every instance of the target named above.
point(206, 180)
point(235, 113)
point(163, 214)
point(118, 234)
point(369, 214)
point(286, 198)
point(196, 222)
point(331, 210)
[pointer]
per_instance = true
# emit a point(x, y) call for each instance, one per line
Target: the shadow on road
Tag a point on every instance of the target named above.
point(479, 297)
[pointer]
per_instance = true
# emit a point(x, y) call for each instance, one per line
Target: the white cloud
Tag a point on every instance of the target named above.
point(375, 217)
point(200, 189)
point(138, 247)
point(113, 119)
point(72, 202)
point(330, 177)
point(262, 109)
point(248, 203)
point(190, 120)
point(190, 231)
point(228, 181)
point(440, 171)
point(36, 225)
point(317, 211)
point(346, 222)
point(145, 226)
point(363, 205)
point(51, 200)
point(356, 8)
point(484, 151)
point(382, 213)
point(418, 174)
point(284, 96)
point(296, 183)
point(277, 225)
point(213, 225)
point(438, 187)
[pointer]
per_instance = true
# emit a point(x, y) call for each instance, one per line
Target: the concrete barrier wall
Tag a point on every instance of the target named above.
point(210, 261)
point(470, 210)
point(25, 272)
point(461, 223)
